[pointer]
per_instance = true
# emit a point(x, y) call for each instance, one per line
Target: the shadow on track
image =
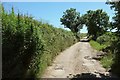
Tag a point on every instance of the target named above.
point(91, 75)
point(84, 40)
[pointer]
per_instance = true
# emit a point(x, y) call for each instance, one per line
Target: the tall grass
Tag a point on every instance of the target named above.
point(107, 61)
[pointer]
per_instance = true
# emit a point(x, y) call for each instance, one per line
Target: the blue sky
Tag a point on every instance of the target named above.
point(51, 12)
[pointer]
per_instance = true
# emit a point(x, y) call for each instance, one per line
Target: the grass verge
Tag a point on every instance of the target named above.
point(97, 46)
point(107, 60)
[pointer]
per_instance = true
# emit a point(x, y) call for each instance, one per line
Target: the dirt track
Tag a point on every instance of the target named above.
point(74, 61)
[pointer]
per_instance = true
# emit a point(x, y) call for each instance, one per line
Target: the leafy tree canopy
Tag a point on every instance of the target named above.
point(72, 20)
point(116, 18)
point(97, 22)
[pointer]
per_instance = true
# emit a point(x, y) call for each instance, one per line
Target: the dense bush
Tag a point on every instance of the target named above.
point(29, 46)
point(106, 38)
point(116, 50)
point(116, 25)
point(103, 39)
